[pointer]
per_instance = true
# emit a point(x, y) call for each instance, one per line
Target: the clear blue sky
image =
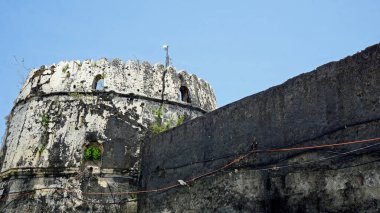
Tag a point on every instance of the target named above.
point(239, 47)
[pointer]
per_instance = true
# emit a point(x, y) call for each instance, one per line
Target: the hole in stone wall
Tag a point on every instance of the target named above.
point(98, 83)
point(91, 136)
point(185, 94)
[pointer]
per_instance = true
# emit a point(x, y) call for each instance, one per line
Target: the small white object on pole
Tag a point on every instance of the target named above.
point(183, 183)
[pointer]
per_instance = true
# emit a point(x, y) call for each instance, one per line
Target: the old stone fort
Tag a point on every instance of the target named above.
point(114, 136)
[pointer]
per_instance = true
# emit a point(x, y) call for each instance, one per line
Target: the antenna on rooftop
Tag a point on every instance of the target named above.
point(167, 61)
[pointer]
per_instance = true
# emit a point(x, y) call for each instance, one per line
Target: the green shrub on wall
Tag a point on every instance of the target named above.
point(45, 120)
point(159, 125)
point(92, 153)
point(180, 120)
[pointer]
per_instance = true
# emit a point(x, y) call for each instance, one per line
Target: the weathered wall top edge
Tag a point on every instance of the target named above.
point(358, 55)
point(364, 54)
point(328, 68)
point(337, 102)
point(129, 64)
point(131, 77)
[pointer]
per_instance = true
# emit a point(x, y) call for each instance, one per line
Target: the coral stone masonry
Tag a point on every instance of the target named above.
point(337, 102)
point(102, 136)
point(76, 128)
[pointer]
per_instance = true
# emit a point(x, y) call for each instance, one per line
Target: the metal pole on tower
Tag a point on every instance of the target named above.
point(167, 61)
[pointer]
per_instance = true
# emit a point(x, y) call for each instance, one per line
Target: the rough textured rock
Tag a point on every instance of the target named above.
point(336, 102)
point(60, 113)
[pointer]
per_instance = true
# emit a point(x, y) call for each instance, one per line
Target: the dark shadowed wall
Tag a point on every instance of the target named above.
point(336, 102)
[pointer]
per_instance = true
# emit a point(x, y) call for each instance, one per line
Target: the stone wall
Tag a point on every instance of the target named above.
point(69, 122)
point(339, 101)
point(60, 113)
point(133, 77)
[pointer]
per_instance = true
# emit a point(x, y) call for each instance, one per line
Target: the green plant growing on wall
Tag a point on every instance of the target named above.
point(158, 113)
point(65, 68)
point(180, 120)
point(92, 153)
point(75, 95)
point(79, 64)
point(41, 149)
point(45, 120)
point(159, 125)
point(103, 76)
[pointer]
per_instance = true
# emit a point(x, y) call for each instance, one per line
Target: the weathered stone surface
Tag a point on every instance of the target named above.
point(59, 113)
point(133, 77)
point(336, 102)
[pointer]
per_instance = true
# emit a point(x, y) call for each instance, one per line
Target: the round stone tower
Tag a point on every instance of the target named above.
point(73, 137)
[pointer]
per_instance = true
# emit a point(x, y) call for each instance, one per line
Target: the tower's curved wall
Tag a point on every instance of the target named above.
point(60, 112)
point(133, 77)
